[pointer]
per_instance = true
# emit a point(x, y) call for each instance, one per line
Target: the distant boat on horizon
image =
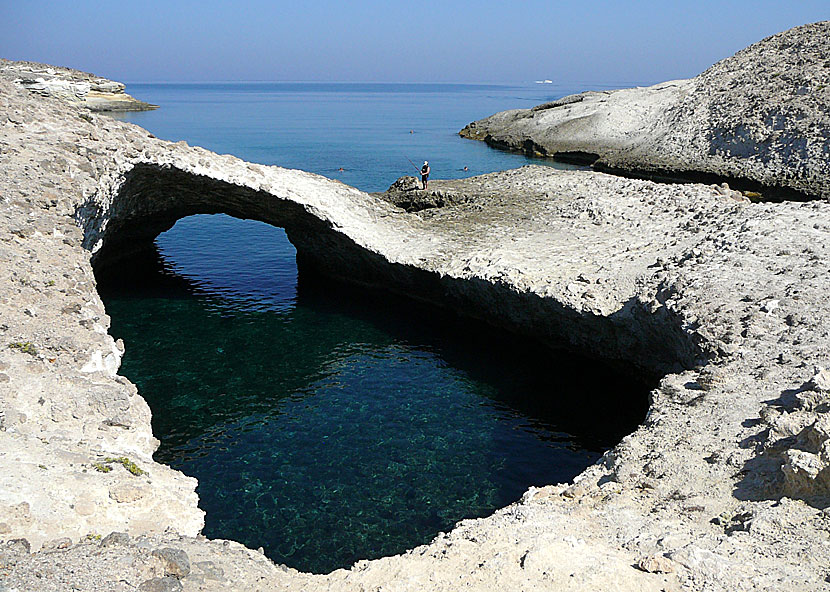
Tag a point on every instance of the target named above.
point(544, 82)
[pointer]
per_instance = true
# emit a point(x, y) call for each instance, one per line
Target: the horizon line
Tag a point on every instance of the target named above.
point(615, 83)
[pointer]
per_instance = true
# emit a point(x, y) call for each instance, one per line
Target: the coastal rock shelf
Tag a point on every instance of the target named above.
point(758, 120)
point(723, 487)
point(93, 92)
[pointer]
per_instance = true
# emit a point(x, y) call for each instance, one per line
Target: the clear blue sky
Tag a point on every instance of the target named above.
point(362, 40)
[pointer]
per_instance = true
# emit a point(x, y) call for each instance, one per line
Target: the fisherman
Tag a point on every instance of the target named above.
point(425, 174)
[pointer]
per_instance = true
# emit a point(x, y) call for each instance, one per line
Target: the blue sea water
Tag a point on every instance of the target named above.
point(323, 423)
point(372, 131)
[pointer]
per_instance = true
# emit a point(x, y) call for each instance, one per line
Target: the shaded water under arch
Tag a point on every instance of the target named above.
point(328, 425)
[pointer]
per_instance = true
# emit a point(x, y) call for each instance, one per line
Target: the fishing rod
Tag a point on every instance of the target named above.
point(413, 165)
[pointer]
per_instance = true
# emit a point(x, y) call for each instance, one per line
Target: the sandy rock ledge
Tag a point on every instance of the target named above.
point(724, 487)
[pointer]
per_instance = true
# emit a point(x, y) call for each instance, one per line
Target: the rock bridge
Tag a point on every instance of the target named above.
point(346, 235)
point(725, 300)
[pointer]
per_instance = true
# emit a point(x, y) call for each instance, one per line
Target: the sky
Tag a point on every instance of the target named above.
point(488, 41)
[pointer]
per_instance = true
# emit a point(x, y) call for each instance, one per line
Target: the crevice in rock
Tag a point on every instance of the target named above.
point(576, 157)
point(753, 189)
point(566, 100)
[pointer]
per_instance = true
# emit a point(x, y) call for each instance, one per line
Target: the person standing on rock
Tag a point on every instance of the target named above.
point(425, 174)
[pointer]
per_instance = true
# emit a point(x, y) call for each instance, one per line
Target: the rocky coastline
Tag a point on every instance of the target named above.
point(725, 486)
point(756, 120)
point(93, 92)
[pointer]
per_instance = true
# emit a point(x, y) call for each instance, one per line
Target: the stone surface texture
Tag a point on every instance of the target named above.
point(760, 117)
point(723, 487)
point(93, 92)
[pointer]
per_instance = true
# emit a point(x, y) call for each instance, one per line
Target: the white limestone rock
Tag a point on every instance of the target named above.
point(760, 117)
point(678, 276)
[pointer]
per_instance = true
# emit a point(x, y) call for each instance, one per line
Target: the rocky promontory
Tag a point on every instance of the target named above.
point(95, 93)
point(723, 302)
point(759, 120)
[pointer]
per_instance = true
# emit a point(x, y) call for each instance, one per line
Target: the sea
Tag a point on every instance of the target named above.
point(326, 424)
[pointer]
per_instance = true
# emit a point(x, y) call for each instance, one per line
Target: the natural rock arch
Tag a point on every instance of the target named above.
point(644, 273)
point(151, 197)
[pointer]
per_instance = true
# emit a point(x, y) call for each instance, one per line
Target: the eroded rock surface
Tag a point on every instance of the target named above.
point(724, 486)
point(760, 118)
point(93, 92)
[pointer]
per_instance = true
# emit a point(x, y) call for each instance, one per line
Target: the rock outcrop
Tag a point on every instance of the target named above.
point(759, 120)
point(93, 92)
point(723, 487)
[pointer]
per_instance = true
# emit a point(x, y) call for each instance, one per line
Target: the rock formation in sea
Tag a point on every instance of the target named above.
point(95, 93)
point(757, 120)
point(724, 486)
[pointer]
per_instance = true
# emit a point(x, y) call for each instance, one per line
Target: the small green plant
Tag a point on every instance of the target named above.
point(44, 467)
point(50, 283)
point(27, 347)
point(127, 464)
point(105, 466)
point(92, 536)
point(101, 467)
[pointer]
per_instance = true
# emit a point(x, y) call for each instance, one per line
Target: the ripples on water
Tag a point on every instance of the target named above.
point(327, 425)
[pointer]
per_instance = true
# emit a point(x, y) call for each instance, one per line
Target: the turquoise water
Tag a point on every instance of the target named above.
point(327, 424)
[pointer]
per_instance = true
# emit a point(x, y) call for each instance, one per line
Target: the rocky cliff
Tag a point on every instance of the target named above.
point(93, 92)
point(759, 120)
point(724, 487)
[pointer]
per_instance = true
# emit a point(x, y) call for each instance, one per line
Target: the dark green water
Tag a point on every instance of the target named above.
point(327, 425)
